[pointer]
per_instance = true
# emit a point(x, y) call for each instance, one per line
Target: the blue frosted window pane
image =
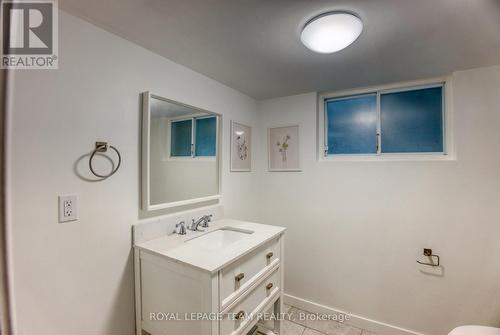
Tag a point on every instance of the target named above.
point(206, 136)
point(180, 144)
point(412, 121)
point(352, 125)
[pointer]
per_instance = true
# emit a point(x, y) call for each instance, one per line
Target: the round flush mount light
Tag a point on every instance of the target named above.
point(331, 32)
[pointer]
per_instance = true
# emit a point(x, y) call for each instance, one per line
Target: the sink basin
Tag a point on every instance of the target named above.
point(218, 239)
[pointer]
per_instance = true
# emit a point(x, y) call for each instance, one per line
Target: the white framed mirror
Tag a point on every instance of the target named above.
point(180, 153)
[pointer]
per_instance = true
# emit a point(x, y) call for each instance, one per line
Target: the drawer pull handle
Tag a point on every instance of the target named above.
point(239, 315)
point(239, 277)
point(269, 286)
point(269, 255)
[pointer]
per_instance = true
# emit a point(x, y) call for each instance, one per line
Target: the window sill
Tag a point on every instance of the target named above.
point(190, 159)
point(389, 158)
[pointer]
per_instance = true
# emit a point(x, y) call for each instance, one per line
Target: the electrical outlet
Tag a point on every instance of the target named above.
point(68, 208)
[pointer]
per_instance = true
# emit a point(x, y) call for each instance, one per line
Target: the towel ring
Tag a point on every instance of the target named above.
point(103, 147)
point(432, 256)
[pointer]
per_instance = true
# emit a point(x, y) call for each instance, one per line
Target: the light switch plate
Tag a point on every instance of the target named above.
point(68, 208)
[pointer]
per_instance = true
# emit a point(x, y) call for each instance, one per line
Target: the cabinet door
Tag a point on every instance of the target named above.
point(170, 293)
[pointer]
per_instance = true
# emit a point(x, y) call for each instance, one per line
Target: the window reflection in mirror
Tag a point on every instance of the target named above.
point(183, 162)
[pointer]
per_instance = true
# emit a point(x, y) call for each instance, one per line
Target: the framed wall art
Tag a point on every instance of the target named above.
point(241, 147)
point(283, 148)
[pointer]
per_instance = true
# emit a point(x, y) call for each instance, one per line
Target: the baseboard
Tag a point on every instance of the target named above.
point(355, 320)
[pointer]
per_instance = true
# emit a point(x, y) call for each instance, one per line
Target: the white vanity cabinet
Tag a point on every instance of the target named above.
point(209, 291)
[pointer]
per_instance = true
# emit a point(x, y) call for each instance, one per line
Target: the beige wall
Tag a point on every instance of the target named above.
point(77, 278)
point(356, 228)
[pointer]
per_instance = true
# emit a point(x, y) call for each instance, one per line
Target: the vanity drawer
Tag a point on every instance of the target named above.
point(238, 317)
point(237, 277)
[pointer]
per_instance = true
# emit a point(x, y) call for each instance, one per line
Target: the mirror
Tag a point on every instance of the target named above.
point(180, 154)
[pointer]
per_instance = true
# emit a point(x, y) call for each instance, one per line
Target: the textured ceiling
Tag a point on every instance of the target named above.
point(254, 47)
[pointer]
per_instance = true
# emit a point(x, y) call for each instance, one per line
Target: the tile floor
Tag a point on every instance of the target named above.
point(296, 326)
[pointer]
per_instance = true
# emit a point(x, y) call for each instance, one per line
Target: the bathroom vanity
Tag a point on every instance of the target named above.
point(217, 281)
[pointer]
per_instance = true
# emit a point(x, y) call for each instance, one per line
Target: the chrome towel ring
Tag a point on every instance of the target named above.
point(432, 256)
point(103, 147)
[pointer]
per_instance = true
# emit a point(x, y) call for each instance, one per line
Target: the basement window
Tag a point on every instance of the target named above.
point(193, 137)
point(384, 122)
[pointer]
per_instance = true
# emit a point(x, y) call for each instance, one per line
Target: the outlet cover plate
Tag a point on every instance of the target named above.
point(68, 208)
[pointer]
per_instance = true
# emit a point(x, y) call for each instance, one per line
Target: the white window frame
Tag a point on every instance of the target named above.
point(193, 158)
point(448, 143)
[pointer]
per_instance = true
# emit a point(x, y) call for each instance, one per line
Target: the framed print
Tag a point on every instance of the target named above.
point(283, 148)
point(241, 147)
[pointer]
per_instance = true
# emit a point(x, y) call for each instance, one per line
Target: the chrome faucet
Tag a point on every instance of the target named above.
point(180, 228)
point(203, 221)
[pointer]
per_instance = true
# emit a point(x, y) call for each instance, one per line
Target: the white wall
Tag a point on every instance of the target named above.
point(356, 228)
point(77, 278)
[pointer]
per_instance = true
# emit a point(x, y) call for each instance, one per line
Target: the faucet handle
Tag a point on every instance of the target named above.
point(206, 219)
point(180, 228)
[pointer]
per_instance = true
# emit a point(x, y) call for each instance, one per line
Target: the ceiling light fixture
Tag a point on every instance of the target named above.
point(331, 32)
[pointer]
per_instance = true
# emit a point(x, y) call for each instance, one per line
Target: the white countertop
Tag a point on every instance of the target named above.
point(175, 248)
